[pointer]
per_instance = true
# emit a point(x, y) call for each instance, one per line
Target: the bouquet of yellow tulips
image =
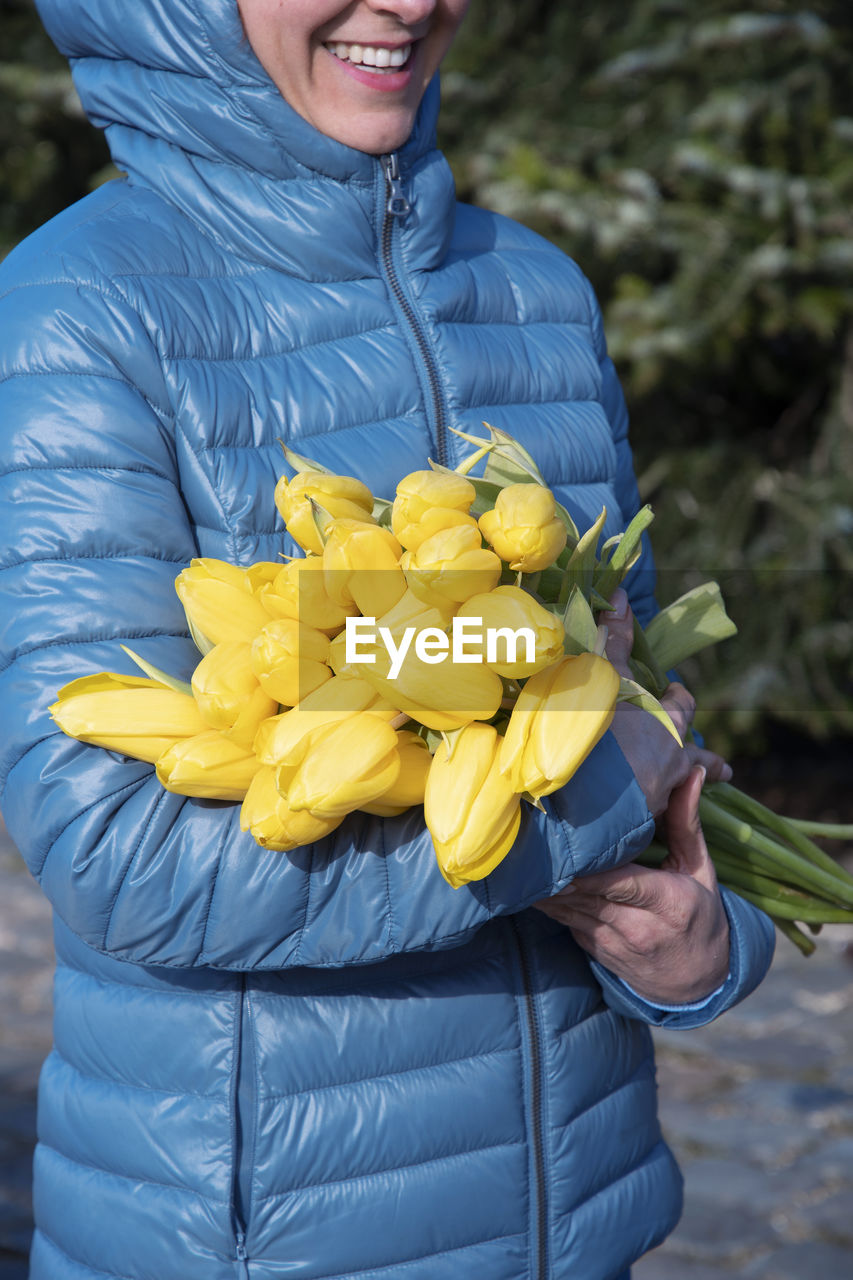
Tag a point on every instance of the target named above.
point(418, 652)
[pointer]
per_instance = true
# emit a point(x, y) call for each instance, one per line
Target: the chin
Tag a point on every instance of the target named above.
point(374, 137)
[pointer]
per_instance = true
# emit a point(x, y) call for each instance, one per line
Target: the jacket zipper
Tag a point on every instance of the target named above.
point(243, 1129)
point(534, 1041)
point(397, 207)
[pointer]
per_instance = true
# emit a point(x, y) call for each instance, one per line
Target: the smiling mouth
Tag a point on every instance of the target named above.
point(375, 58)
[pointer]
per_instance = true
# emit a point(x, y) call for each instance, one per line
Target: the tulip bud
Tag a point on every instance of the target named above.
point(524, 528)
point(560, 715)
point(510, 610)
point(427, 501)
point(228, 694)
point(471, 810)
point(361, 567)
point(408, 612)
point(272, 822)
point(298, 591)
point(452, 565)
point(209, 766)
point(443, 697)
point(337, 699)
point(261, 573)
point(289, 660)
point(410, 784)
point(343, 497)
point(342, 766)
point(130, 714)
point(218, 601)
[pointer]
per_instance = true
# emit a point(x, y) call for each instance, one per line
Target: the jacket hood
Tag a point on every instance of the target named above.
point(183, 71)
point(190, 113)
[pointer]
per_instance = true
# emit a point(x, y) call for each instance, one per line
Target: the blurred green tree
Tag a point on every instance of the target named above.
point(697, 162)
point(49, 154)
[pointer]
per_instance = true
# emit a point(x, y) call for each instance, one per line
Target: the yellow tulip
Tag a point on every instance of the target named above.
point(452, 565)
point(523, 527)
point(299, 591)
point(229, 695)
point(130, 714)
point(512, 609)
point(432, 521)
point(342, 496)
point(410, 785)
point(361, 567)
point(560, 715)
point(427, 501)
point(290, 660)
point(341, 766)
point(261, 573)
point(409, 611)
point(271, 820)
point(209, 766)
point(338, 698)
point(471, 810)
point(218, 601)
point(441, 696)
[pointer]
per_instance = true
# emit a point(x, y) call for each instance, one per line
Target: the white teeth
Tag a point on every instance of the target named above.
point(366, 55)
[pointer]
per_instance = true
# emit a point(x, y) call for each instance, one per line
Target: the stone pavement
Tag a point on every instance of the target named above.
point(757, 1107)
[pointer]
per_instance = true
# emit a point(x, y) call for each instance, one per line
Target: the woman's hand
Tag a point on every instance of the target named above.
point(659, 764)
point(664, 931)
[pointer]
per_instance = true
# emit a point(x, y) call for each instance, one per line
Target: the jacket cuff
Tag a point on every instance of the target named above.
point(752, 939)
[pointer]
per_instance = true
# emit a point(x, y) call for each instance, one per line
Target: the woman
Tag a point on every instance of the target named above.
point(329, 1063)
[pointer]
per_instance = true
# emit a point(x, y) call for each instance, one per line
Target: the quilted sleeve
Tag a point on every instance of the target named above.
point(94, 531)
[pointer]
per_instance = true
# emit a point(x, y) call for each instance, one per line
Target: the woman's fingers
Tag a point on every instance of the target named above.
point(716, 768)
point(680, 706)
point(688, 853)
point(620, 631)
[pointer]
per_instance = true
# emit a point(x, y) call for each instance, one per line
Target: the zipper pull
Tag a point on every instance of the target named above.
point(242, 1255)
point(398, 206)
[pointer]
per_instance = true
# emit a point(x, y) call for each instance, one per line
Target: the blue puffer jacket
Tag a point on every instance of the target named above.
point(329, 1064)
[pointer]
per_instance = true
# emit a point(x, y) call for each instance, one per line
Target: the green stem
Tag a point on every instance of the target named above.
point(713, 816)
point(641, 650)
point(789, 829)
point(787, 911)
point(738, 876)
point(762, 864)
point(830, 830)
point(795, 935)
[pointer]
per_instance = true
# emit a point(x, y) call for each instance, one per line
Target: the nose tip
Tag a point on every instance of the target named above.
point(408, 11)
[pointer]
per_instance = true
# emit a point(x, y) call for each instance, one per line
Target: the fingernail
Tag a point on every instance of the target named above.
point(703, 772)
point(727, 774)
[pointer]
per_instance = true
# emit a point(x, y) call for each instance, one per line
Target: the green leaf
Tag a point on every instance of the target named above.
point(382, 512)
point(691, 623)
point(508, 462)
point(163, 677)
point(579, 625)
point(582, 561)
point(301, 463)
point(625, 553)
point(630, 691)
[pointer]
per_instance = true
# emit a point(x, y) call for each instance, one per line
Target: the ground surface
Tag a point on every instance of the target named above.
point(756, 1106)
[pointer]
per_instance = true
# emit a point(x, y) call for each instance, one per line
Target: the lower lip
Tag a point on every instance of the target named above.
point(384, 81)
